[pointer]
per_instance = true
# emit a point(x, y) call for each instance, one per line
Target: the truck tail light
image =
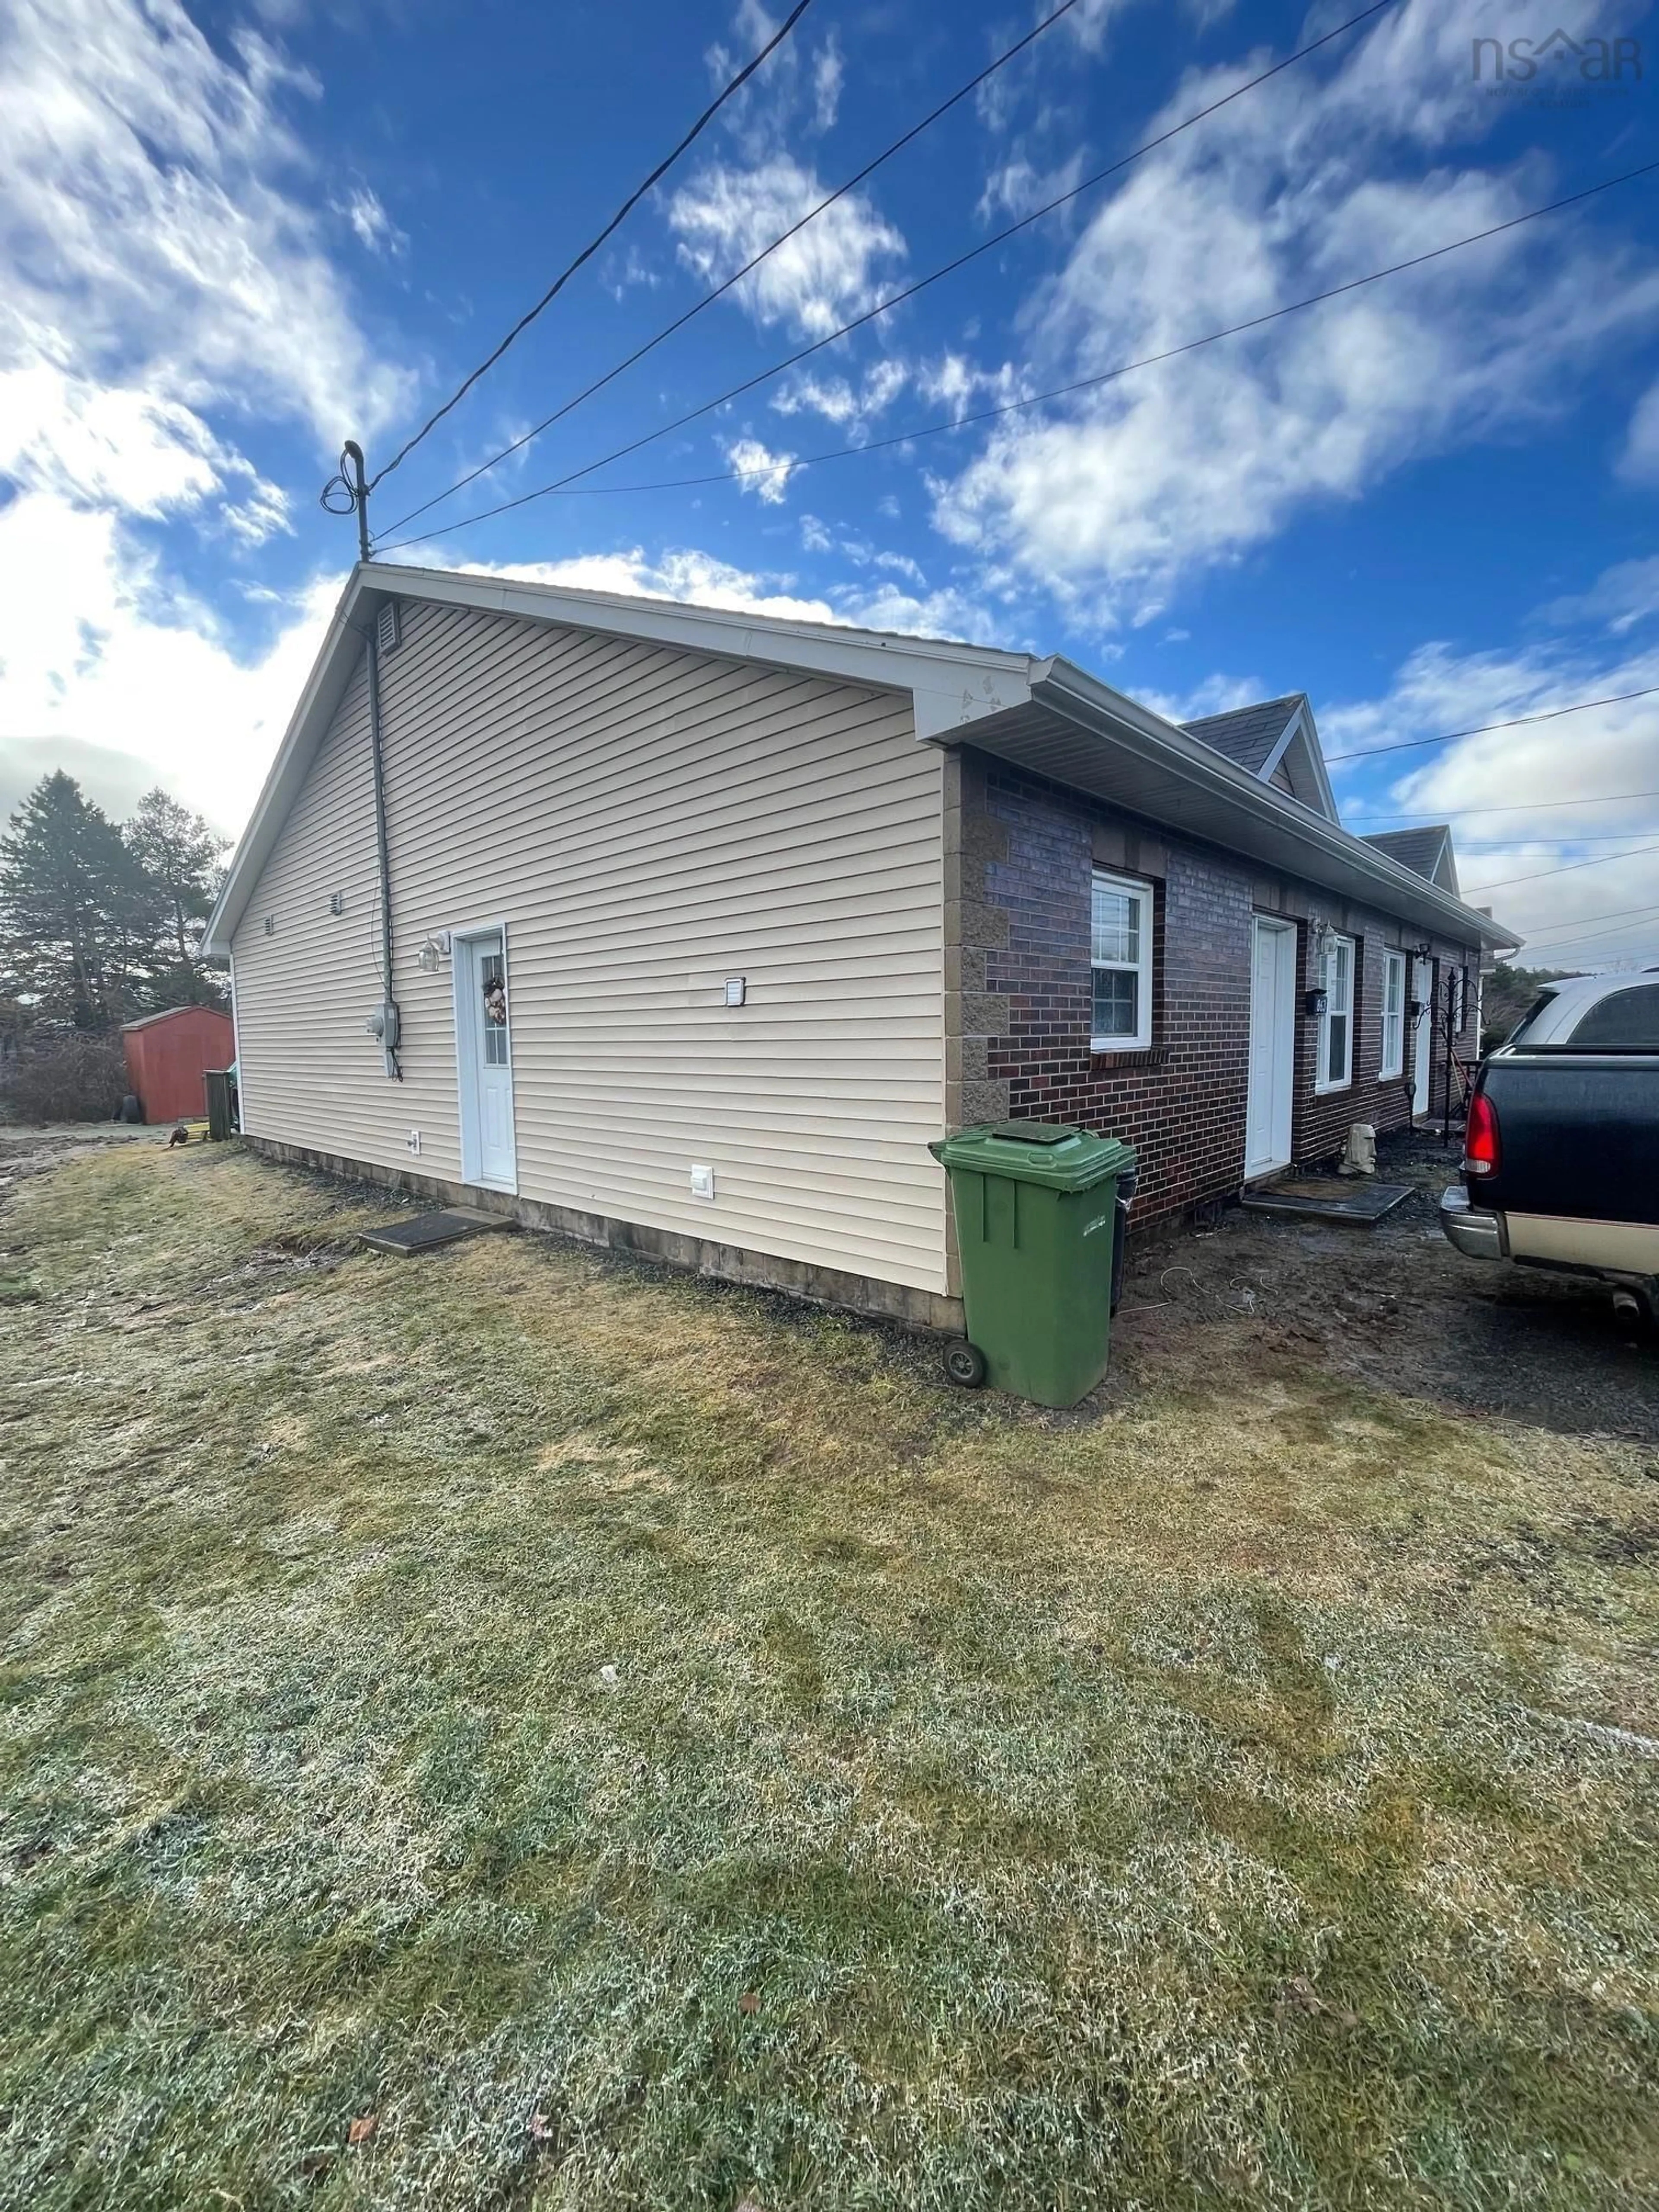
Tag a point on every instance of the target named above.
point(1480, 1147)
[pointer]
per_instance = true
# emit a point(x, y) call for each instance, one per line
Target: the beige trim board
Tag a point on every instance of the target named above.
point(1633, 1247)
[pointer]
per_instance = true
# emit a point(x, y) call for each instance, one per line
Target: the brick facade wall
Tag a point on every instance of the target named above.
point(1020, 855)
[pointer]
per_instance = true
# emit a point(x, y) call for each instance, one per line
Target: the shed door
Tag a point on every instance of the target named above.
point(483, 1042)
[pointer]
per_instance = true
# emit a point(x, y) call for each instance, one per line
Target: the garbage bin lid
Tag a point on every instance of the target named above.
point(1048, 1152)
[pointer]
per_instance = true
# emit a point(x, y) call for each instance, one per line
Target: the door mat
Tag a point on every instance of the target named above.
point(1326, 1198)
point(429, 1231)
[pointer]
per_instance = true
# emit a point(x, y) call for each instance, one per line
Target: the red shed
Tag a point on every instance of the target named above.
point(168, 1054)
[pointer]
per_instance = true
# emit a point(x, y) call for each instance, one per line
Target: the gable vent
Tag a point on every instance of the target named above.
point(388, 627)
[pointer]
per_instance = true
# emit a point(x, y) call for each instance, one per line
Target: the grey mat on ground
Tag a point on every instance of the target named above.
point(426, 1231)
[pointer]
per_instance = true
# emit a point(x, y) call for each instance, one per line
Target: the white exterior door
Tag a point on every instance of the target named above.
point(1423, 1033)
point(484, 1054)
point(1272, 1048)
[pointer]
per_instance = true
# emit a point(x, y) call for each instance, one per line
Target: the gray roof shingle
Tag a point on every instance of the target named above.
point(1247, 734)
point(1416, 849)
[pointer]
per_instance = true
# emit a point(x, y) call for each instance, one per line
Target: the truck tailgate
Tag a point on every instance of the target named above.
point(1579, 1136)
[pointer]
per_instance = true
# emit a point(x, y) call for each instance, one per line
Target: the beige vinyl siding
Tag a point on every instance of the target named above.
point(645, 822)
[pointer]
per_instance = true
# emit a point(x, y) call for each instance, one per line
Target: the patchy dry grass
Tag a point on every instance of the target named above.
point(1236, 1792)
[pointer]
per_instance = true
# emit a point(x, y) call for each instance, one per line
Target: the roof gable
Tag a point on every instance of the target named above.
point(1427, 853)
point(1277, 741)
point(1253, 780)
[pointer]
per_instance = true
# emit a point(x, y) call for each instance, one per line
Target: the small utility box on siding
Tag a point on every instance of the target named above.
point(169, 1054)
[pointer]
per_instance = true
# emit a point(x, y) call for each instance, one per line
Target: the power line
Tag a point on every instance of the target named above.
point(590, 250)
point(1515, 722)
point(1530, 837)
point(1504, 883)
point(737, 276)
point(562, 484)
point(1525, 807)
point(910, 292)
point(1636, 915)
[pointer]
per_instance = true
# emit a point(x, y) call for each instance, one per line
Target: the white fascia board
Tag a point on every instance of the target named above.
point(1084, 698)
point(949, 684)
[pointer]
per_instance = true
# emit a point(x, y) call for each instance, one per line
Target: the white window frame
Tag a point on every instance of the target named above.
point(1393, 1062)
point(1129, 887)
point(1330, 968)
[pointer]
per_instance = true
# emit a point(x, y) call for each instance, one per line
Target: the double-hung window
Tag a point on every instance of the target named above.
point(1393, 1015)
point(1121, 954)
point(1336, 1023)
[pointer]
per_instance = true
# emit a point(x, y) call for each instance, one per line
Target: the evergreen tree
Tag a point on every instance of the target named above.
point(76, 913)
point(179, 855)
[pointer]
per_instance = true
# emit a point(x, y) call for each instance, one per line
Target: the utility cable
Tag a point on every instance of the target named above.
point(910, 292)
point(737, 276)
point(562, 485)
point(590, 250)
point(1522, 806)
point(1504, 883)
point(1537, 837)
point(1552, 714)
point(1635, 917)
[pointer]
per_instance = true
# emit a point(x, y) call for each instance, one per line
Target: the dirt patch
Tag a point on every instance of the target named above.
point(1394, 1307)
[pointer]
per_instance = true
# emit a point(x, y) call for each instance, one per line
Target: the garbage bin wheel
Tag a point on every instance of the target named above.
point(964, 1363)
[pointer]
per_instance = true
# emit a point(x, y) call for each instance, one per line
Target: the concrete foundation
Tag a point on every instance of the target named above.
point(729, 1263)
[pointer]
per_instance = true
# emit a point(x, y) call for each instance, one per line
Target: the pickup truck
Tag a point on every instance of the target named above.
point(1561, 1151)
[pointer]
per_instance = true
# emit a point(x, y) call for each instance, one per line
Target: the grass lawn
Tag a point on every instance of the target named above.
point(626, 1743)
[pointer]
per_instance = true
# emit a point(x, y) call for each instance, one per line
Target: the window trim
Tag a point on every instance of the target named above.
point(1389, 1066)
point(1322, 1083)
point(1135, 887)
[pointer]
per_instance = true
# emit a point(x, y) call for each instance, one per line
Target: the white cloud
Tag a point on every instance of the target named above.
point(820, 279)
point(682, 573)
point(1216, 694)
point(166, 280)
point(764, 473)
point(1545, 768)
point(1640, 459)
point(956, 383)
point(621, 275)
point(796, 90)
point(837, 399)
point(99, 651)
point(1620, 598)
point(814, 537)
point(690, 575)
point(1017, 185)
point(828, 75)
point(146, 178)
point(374, 228)
point(1195, 463)
point(104, 445)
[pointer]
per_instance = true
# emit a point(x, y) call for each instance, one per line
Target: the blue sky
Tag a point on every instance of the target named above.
point(236, 235)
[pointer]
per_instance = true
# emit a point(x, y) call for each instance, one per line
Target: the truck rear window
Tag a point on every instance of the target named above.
point(1627, 1019)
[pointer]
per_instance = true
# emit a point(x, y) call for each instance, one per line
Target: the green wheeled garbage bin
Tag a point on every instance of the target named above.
point(1037, 1215)
point(216, 1082)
